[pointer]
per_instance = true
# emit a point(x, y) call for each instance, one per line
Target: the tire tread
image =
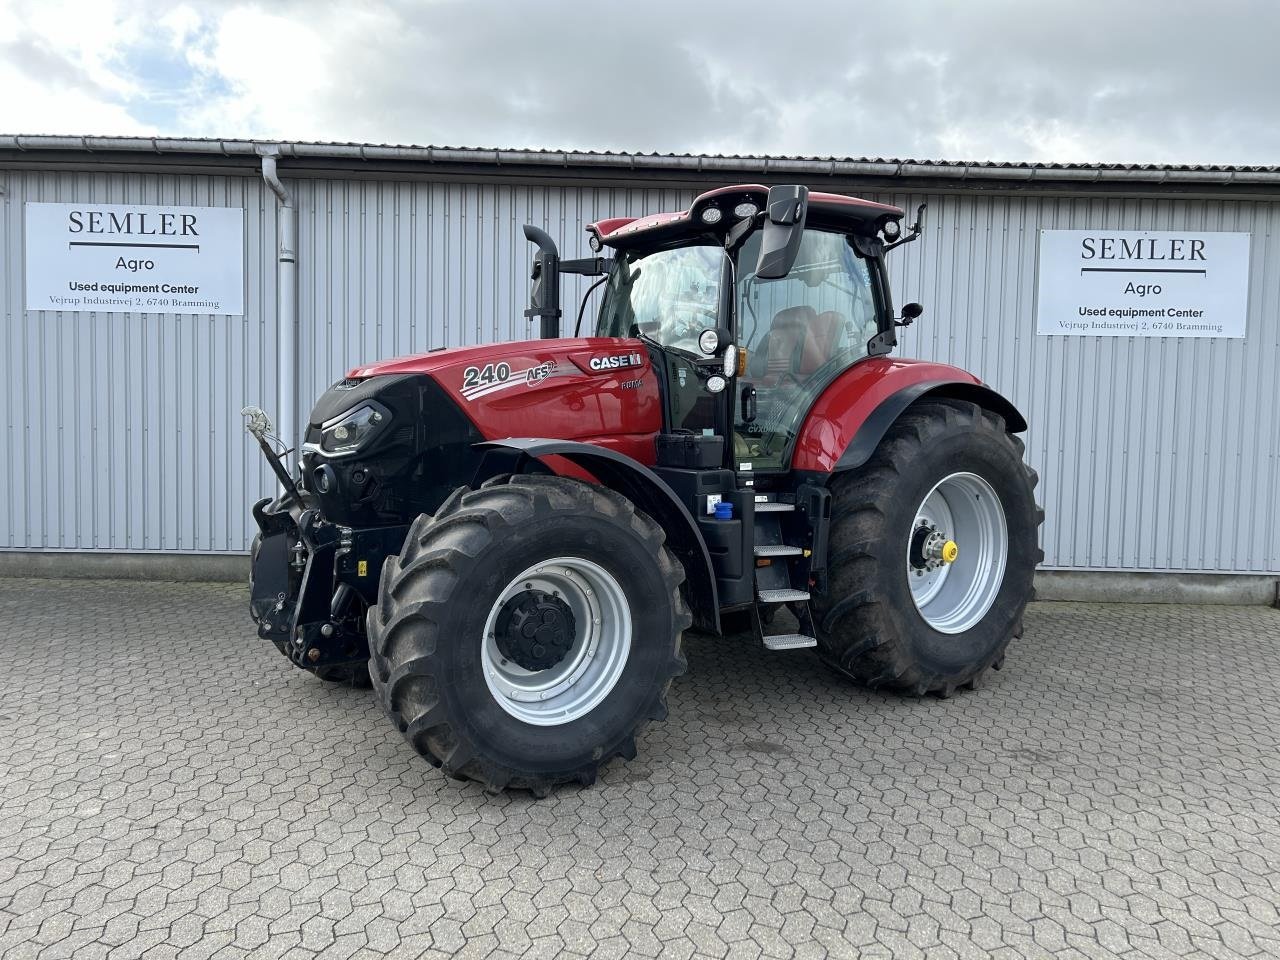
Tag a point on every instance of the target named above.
point(855, 635)
point(418, 585)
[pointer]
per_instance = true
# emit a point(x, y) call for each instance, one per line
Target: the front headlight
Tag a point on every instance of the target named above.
point(347, 433)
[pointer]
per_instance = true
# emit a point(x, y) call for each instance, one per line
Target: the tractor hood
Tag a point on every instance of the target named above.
point(522, 353)
point(594, 389)
point(392, 439)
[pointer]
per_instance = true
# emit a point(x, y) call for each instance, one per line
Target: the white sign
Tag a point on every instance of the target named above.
point(1139, 283)
point(125, 258)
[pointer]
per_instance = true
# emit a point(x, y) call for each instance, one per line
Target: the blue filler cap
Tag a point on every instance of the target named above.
point(724, 510)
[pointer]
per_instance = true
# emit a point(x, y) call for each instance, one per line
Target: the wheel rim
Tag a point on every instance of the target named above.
point(593, 663)
point(962, 509)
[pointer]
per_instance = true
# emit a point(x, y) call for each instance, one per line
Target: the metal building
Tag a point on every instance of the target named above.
point(123, 434)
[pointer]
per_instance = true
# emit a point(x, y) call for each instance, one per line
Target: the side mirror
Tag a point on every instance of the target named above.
point(785, 213)
point(909, 312)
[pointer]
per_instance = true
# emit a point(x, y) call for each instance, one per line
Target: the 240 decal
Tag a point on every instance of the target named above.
point(492, 377)
point(490, 373)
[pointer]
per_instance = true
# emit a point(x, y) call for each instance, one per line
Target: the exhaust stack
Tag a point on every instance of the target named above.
point(544, 298)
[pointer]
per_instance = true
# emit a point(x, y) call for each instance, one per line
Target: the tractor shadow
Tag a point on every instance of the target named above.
point(753, 694)
point(787, 712)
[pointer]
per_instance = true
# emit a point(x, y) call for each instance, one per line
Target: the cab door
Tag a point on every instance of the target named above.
point(799, 333)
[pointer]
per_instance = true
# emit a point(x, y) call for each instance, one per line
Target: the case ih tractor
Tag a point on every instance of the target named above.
point(510, 540)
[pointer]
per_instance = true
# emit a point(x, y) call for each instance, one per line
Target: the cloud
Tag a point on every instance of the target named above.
point(55, 72)
point(987, 79)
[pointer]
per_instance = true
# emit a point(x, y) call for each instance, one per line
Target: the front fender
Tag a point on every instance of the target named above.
point(848, 421)
point(647, 491)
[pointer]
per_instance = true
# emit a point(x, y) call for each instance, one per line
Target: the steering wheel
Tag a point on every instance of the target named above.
point(687, 323)
point(789, 378)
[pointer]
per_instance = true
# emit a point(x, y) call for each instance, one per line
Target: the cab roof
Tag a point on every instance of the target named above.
point(827, 210)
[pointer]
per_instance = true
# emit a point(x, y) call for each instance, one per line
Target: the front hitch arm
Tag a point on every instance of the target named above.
point(258, 425)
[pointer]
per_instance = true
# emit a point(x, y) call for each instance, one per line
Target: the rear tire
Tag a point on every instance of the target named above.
point(494, 557)
point(872, 626)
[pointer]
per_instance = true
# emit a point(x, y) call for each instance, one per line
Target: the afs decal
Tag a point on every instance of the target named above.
point(494, 377)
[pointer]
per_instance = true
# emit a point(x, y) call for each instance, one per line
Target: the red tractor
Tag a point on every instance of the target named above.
point(510, 540)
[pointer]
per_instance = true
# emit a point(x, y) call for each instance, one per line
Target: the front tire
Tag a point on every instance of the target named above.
point(947, 481)
point(527, 632)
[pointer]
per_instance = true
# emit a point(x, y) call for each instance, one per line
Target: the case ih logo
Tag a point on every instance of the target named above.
point(616, 362)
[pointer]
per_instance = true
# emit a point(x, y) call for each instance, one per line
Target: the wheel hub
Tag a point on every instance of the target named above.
point(535, 629)
point(953, 588)
point(930, 549)
point(556, 640)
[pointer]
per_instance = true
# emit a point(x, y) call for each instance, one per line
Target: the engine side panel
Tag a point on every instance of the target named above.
point(853, 397)
point(598, 390)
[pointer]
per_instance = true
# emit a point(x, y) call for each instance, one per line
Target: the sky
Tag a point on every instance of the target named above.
point(1128, 81)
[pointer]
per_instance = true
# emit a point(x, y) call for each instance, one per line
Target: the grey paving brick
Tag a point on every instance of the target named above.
point(170, 786)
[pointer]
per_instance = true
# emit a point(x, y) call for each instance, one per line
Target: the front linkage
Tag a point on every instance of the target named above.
point(311, 581)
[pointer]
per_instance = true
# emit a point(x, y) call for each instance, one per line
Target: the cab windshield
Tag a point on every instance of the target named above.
point(669, 296)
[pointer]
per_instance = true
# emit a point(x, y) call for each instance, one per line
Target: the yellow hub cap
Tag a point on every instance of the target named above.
point(950, 550)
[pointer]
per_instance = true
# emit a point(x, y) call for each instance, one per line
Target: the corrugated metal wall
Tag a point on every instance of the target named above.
point(390, 268)
point(124, 432)
point(1154, 454)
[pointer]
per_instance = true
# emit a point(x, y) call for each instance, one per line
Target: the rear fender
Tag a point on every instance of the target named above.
point(873, 429)
point(642, 487)
point(849, 420)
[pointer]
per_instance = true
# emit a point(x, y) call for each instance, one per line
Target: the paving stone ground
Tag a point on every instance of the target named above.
point(170, 786)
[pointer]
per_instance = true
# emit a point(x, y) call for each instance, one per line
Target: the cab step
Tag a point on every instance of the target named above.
point(789, 641)
point(773, 506)
point(777, 550)
point(782, 595)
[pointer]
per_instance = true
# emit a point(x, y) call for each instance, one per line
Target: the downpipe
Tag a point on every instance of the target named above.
point(286, 301)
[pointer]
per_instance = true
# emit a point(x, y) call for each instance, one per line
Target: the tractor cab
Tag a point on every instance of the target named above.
point(791, 304)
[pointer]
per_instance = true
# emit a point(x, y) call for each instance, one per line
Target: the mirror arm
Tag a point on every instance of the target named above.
point(587, 267)
point(740, 229)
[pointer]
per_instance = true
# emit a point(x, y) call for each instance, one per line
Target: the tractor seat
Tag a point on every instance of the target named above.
point(820, 343)
point(781, 350)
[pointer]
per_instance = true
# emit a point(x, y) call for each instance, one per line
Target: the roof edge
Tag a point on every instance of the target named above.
point(772, 166)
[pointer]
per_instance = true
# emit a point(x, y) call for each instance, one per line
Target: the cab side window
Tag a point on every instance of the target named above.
point(670, 296)
point(799, 332)
point(828, 289)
